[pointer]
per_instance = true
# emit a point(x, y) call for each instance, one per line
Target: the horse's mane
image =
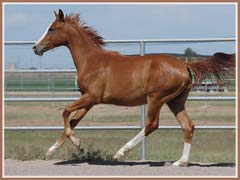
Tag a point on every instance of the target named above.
point(91, 33)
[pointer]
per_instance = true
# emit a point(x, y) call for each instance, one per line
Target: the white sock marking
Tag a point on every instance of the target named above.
point(186, 151)
point(132, 143)
point(185, 155)
point(54, 147)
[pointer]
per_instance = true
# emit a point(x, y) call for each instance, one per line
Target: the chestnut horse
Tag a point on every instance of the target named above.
point(111, 78)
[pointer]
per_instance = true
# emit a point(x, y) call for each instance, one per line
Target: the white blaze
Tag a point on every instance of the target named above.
point(44, 34)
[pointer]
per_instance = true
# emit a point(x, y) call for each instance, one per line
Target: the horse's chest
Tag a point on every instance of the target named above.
point(90, 82)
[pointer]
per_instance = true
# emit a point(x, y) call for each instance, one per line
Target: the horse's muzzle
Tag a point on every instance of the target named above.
point(38, 51)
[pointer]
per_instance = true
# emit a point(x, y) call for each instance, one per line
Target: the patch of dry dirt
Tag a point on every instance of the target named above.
point(135, 169)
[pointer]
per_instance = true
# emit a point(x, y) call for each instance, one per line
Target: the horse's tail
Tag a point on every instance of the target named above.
point(219, 66)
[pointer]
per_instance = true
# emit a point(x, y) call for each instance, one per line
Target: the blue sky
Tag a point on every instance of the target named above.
point(123, 21)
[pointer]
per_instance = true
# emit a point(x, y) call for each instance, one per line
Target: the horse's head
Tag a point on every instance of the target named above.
point(54, 36)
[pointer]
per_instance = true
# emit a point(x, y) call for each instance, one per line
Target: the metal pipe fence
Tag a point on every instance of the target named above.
point(185, 40)
point(142, 44)
point(51, 80)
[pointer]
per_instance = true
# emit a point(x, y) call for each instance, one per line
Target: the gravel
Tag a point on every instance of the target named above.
point(111, 168)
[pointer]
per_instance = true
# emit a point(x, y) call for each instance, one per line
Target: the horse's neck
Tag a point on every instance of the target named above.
point(81, 50)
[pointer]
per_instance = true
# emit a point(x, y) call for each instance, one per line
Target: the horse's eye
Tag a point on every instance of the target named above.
point(51, 30)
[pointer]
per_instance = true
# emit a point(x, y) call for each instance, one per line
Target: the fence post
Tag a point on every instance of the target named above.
point(21, 81)
point(143, 110)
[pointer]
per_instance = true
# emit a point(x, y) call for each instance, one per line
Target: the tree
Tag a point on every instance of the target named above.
point(189, 53)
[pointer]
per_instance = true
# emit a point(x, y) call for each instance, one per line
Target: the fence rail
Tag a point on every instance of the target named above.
point(186, 40)
point(141, 43)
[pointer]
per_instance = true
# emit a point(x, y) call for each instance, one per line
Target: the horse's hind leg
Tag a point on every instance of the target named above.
point(154, 103)
point(177, 106)
point(154, 107)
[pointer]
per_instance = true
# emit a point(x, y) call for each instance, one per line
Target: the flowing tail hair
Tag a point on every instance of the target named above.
point(219, 66)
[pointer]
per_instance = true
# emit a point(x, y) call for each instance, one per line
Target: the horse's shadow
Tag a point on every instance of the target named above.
point(137, 163)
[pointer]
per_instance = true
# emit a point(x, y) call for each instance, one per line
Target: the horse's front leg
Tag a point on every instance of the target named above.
point(82, 106)
point(79, 114)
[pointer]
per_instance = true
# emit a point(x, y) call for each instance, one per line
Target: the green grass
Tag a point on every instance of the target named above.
point(40, 82)
point(162, 145)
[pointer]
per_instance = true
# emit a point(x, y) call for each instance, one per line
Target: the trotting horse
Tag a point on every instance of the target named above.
point(111, 78)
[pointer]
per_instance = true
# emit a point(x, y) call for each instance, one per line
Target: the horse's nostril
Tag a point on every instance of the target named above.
point(34, 48)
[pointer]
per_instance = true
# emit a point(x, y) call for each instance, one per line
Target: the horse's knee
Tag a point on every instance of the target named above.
point(68, 132)
point(66, 113)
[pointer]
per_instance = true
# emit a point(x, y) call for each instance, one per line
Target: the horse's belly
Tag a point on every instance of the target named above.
point(126, 100)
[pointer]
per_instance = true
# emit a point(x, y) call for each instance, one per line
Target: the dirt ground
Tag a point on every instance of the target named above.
point(120, 169)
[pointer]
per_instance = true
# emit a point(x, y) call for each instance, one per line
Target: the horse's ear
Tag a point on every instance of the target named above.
point(61, 16)
point(55, 13)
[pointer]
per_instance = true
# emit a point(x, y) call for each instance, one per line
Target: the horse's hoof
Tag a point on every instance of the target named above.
point(118, 155)
point(75, 141)
point(52, 150)
point(50, 153)
point(180, 164)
